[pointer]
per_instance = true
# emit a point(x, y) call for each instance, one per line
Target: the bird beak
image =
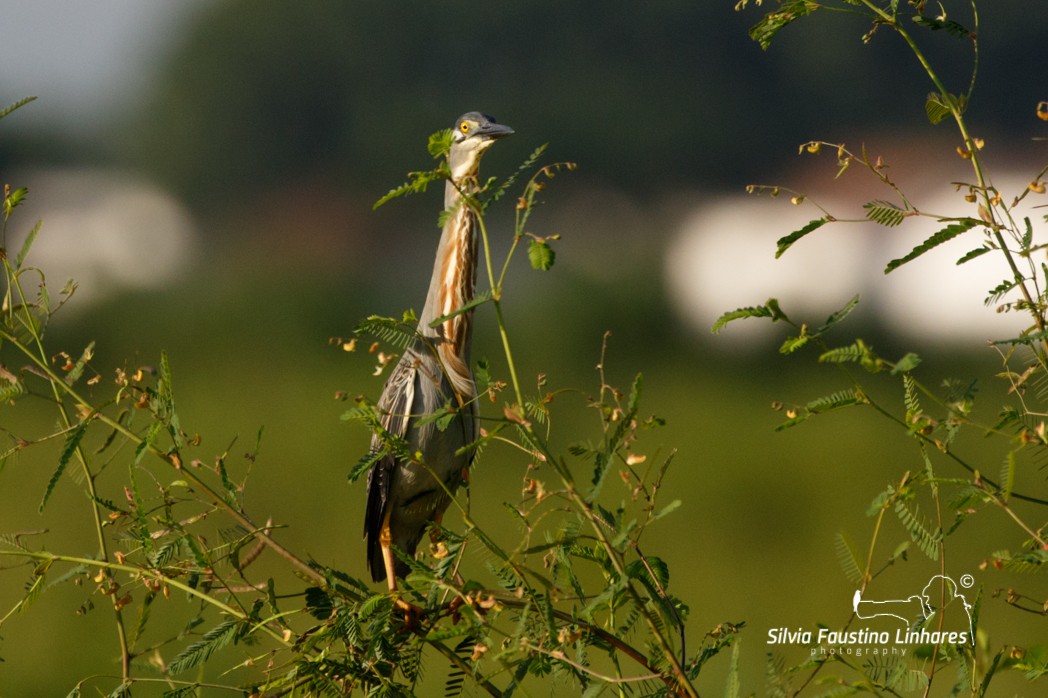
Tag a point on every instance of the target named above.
point(492, 131)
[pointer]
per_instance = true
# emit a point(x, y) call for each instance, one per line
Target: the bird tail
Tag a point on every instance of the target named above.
point(374, 515)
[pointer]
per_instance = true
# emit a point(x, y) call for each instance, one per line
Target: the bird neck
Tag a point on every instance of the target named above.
point(452, 285)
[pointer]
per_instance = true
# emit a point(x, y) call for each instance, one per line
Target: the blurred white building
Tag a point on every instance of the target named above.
point(107, 231)
point(723, 257)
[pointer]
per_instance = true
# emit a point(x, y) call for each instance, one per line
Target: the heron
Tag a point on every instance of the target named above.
point(432, 375)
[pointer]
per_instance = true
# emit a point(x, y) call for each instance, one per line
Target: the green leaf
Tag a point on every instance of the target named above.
point(148, 440)
point(77, 371)
point(20, 103)
point(417, 183)
point(442, 418)
point(927, 539)
point(936, 23)
point(1027, 235)
point(199, 652)
point(769, 310)
point(972, 254)
point(856, 352)
point(528, 163)
point(906, 364)
point(999, 291)
point(439, 143)
point(1023, 339)
point(365, 463)
point(784, 243)
point(479, 299)
point(842, 398)
point(633, 403)
point(36, 588)
point(848, 558)
point(189, 691)
point(793, 421)
point(839, 315)
point(1008, 476)
point(789, 11)
point(672, 506)
point(71, 445)
point(948, 233)
point(14, 199)
point(733, 684)
point(10, 385)
point(935, 108)
point(540, 254)
point(134, 493)
point(24, 251)
point(792, 344)
point(885, 212)
point(389, 330)
point(121, 691)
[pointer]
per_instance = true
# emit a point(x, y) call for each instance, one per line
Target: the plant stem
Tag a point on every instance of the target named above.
point(143, 573)
point(261, 534)
point(973, 151)
point(41, 358)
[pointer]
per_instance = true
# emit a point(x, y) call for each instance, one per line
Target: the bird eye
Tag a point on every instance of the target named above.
point(464, 127)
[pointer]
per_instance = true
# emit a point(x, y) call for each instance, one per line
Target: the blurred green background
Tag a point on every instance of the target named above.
point(264, 132)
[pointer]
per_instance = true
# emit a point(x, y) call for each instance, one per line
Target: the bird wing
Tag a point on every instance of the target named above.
point(395, 410)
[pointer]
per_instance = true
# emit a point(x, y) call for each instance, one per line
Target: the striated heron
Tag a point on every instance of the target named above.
point(432, 375)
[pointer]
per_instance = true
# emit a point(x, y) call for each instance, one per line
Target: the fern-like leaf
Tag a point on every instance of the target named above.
point(182, 692)
point(948, 233)
point(847, 558)
point(480, 298)
point(11, 107)
point(834, 401)
point(885, 213)
point(910, 396)
point(1031, 338)
point(926, 539)
point(121, 691)
point(71, 445)
point(27, 244)
point(972, 254)
point(998, 292)
point(438, 146)
point(856, 352)
point(394, 332)
point(789, 11)
point(199, 652)
point(541, 255)
point(784, 243)
point(768, 310)
point(511, 180)
point(839, 315)
point(77, 371)
point(941, 23)
point(1008, 476)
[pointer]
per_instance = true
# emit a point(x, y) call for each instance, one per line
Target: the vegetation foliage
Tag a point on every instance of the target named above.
point(944, 489)
point(574, 597)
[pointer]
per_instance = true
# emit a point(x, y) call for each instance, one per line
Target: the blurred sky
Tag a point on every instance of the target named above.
point(85, 60)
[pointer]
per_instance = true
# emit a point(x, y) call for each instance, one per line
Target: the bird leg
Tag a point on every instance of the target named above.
point(385, 542)
point(412, 613)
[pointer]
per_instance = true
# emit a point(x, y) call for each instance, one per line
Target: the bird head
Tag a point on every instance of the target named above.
point(473, 134)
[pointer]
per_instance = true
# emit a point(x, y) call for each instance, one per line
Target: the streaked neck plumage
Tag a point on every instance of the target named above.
point(452, 286)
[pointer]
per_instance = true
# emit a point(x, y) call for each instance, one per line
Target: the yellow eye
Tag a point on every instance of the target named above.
point(464, 127)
